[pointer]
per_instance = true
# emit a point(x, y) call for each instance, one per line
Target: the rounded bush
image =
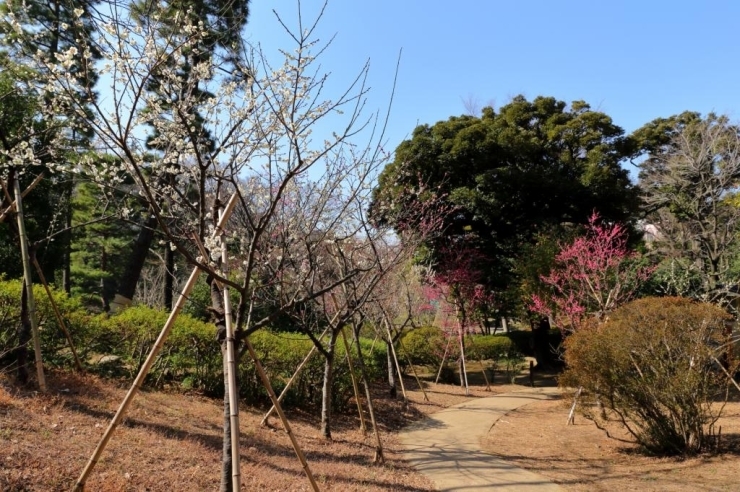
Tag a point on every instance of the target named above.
point(424, 346)
point(491, 347)
point(654, 364)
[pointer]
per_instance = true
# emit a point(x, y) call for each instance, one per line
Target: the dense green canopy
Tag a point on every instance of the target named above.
point(512, 174)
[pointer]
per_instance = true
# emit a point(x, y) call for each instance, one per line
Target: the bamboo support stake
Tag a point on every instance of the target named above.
point(57, 314)
point(29, 286)
point(231, 365)
point(379, 457)
point(444, 359)
point(732, 380)
point(572, 414)
point(485, 376)
point(295, 375)
point(356, 388)
point(464, 375)
point(80, 485)
point(11, 208)
point(283, 419)
point(372, 347)
point(413, 369)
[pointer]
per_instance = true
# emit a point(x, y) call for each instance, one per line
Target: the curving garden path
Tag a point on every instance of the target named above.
point(446, 447)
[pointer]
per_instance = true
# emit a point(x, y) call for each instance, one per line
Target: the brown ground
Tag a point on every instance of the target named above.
point(173, 441)
point(582, 458)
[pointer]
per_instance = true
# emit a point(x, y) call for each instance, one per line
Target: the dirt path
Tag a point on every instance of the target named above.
point(446, 447)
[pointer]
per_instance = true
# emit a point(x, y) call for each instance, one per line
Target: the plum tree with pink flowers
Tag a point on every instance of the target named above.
point(459, 289)
point(592, 275)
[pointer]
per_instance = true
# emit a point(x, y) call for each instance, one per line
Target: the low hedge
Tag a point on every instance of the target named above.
point(426, 346)
point(423, 346)
point(491, 347)
point(117, 345)
point(54, 344)
point(191, 358)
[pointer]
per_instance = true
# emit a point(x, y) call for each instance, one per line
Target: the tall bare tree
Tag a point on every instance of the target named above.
point(690, 186)
point(238, 126)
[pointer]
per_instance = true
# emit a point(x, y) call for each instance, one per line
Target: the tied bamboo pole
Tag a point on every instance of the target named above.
point(283, 419)
point(80, 485)
point(395, 357)
point(292, 379)
point(464, 375)
point(57, 314)
point(355, 387)
point(444, 359)
point(296, 373)
point(363, 426)
point(231, 365)
point(11, 208)
point(29, 285)
point(413, 369)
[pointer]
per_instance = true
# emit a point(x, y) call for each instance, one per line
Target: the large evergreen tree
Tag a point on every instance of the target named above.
point(512, 175)
point(49, 29)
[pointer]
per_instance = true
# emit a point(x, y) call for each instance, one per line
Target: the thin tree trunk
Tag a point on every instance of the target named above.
point(464, 371)
point(134, 264)
point(231, 372)
point(326, 389)
point(104, 301)
point(392, 391)
point(226, 457)
point(169, 275)
point(227, 462)
point(355, 388)
point(379, 458)
point(540, 331)
point(464, 375)
point(395, 357)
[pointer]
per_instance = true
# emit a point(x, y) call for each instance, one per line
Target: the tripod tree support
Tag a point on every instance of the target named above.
point(231, 368)
point(283, 419)
point(80, 485)
point(29, 286)
point(57, 314)
point(355, 387)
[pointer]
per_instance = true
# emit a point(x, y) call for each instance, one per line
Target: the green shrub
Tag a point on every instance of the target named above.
point(424, 346)
point(280, 354)
point(490, 347)
point(190, 357)
point(54, 345)
point(190, 354)
point(652, 364)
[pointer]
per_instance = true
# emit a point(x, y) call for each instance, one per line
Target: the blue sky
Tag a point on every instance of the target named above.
point(634, 60)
